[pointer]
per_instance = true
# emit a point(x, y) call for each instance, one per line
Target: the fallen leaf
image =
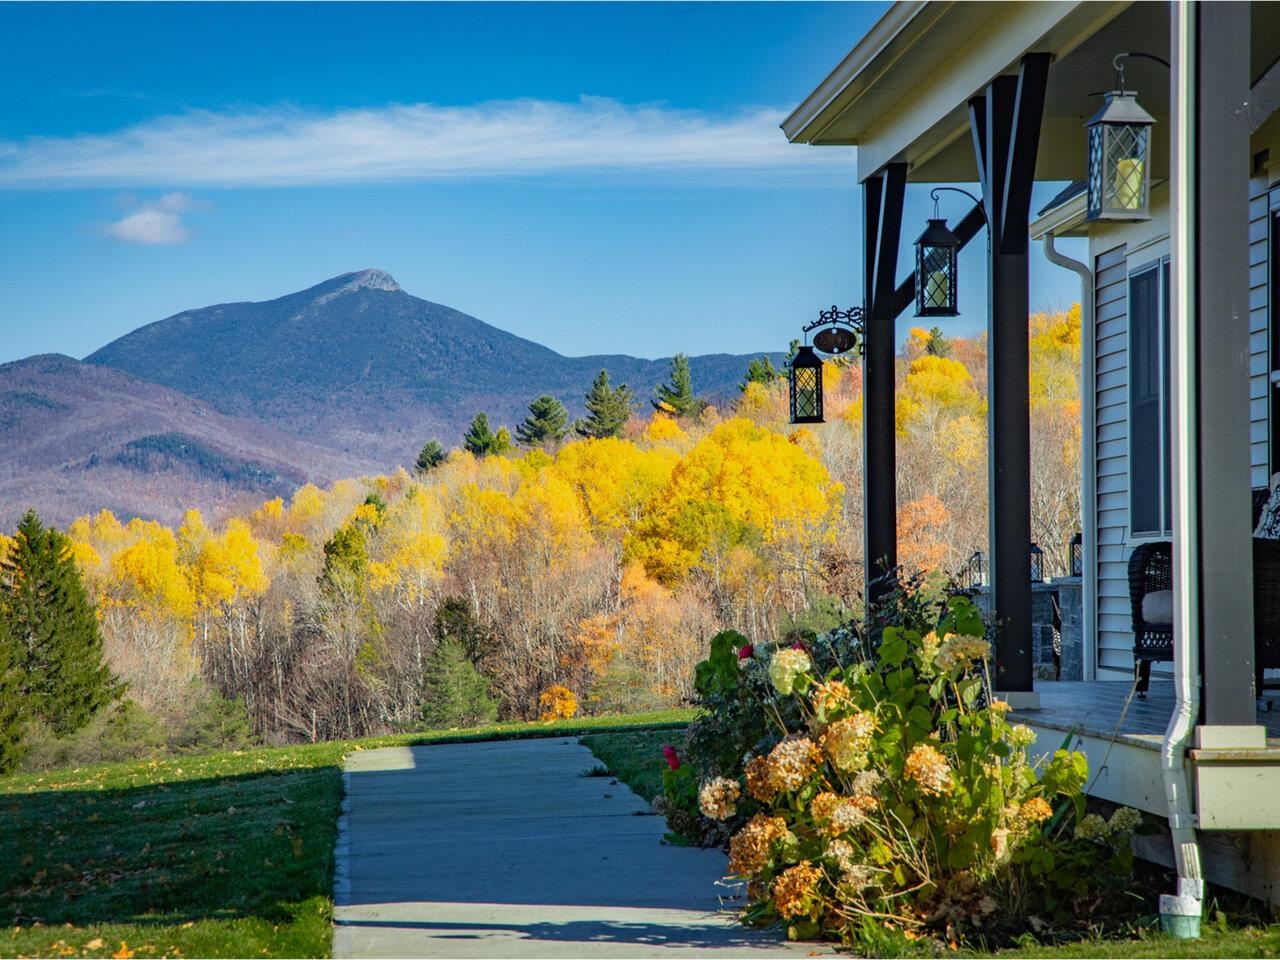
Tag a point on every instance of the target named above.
point(97, 943)
point(124, 953)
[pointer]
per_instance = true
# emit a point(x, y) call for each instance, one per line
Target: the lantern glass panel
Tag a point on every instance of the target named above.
point(1037, 564)
point(1077, 556)
point(806, 393)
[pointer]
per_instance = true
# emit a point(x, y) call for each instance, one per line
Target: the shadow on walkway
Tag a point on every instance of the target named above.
point(504, 850)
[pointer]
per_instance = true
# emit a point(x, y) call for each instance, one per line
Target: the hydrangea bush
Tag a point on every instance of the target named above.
point(887, 788)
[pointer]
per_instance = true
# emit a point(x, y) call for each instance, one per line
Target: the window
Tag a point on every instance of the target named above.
point(1149, 440)
point(1274, 340)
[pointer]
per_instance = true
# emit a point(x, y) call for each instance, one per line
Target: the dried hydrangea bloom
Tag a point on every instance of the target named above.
point(795, 892)
point(1000, 707)
point(759, 784)
point(824, 805)
point(856, 878)
point(846, 742)
point(928, 769)
point(962, 652)
point(1124, 820)
point(1092, 827)
point(792, 762)
point(849, 814)
point(866, 783)
point(786, 666)
point(843, 853)
point(751, 847)
point(831, 695)
point(1021, 735)
point(718, 798)
point(999, 841)
point(929, 646)
point(1035, 810)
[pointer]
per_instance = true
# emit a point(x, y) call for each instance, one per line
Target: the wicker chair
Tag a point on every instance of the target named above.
point(1151, 569)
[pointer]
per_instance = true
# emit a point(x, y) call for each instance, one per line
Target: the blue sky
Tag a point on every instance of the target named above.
point(596, 177)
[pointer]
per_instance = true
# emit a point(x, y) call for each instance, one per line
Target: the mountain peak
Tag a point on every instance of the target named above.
point(360, 280)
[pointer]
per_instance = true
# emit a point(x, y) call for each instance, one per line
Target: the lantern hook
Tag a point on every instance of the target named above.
point(933, 195)
point(1117, 64)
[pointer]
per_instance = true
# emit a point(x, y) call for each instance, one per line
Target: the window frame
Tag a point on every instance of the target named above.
point(1163, 491)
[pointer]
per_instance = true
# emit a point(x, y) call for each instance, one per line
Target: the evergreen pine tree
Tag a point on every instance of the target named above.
point(938, 345)
point(53, 623)
point(608, 410)
point(482, 441)
point(13, 702)
point(548, 421)
point(455, 693)
point(432, 456)
point(760, 371)
point(676, 395)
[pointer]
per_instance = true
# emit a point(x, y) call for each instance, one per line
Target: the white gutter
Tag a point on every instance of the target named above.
point(1180, 913)
point(1088, 455)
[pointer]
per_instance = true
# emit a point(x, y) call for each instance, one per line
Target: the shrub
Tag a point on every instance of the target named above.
point(557, 703)
point(212, 722)
point(869, 782)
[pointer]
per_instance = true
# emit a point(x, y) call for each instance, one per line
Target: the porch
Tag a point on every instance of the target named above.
point(1122, 736)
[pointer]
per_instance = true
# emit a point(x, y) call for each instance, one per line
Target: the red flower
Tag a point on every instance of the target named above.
point(669, 752)
point(746, 651)
point(799, 646)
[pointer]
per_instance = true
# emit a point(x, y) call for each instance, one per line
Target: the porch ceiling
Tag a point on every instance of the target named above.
point(902, 93)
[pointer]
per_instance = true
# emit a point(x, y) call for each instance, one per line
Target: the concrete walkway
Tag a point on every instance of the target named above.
point(505, 850)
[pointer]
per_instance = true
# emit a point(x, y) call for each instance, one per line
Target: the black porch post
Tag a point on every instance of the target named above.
point(1006, 133)
point(1221, 303)
point(882, 198)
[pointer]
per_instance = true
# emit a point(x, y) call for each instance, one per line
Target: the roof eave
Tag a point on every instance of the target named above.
point(806, 120)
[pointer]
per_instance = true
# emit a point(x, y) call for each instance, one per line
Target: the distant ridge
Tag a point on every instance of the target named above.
point(77, 438)
point(359, 366)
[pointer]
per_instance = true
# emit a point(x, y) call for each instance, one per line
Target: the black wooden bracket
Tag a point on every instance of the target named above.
point(1023, 143)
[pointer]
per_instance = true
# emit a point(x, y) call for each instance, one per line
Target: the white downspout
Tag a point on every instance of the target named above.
point(1180, 913)
point(1088, 453)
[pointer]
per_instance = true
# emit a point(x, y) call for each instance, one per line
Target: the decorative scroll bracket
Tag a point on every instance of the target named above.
point(841, 331)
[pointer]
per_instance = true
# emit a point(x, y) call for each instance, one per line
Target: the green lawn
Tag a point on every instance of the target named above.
point(229, 854)
point(635, 756)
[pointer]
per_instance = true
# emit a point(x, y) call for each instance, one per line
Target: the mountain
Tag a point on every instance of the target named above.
point(78, 437)
point(359, 366)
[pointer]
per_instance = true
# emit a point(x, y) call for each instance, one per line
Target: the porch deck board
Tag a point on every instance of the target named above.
point(1097, 708)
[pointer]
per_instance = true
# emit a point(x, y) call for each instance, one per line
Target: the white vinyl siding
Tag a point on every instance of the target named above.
point(1111, 395)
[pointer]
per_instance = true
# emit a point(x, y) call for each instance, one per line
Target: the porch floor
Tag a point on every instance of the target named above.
point(1094, 708)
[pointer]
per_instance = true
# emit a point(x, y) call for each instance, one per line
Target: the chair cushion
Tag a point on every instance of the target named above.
point(1157, 607)
point(1269, 523)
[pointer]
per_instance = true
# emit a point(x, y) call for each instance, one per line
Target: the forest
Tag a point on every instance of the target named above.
point(564, 570)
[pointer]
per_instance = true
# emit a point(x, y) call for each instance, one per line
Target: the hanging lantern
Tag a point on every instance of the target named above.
point(1119, 158)
point(806, 386)
point(975, 570)
point(1076, 552)
point(1037, 564)
point(936, 251)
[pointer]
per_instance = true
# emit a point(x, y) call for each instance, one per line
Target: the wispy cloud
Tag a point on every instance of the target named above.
point(157, 223)
point(285, 146)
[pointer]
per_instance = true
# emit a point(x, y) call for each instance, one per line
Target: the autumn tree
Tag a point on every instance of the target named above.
point(676, 395)
point(430, 457)
point(608, 409)
point(46, 608)
point(481, 440)
point(547, 422)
